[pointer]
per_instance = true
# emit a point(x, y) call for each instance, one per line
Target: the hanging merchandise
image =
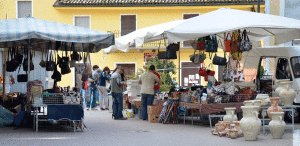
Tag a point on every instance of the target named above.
point(75, 56)
point(18, 56)
point(201, 43)
point(244, 44)
point(64, 62)
point(22, 77)
point(235, 39)
point(237, 75)
point(219, 60)
point(161, 54)
point(56, 75)
point(50, 64)
point(25, 62)
point(202, 70)
point(227, 42)
point(197, 58)
point(87, 67)
point(211, 45)
point(11, 64)
point(43, 62)
point(171, 51)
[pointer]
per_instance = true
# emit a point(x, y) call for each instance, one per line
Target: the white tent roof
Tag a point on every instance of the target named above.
point(141, 36)
point(258, 26)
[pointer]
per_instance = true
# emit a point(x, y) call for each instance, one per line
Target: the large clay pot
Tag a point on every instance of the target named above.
point(274, 107)
point(287, 94)
point(250, 123)
point(277, 126)
point(230, 116)
point(238, 128)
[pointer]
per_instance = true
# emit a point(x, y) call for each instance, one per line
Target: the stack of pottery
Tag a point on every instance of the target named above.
point(238, 128)
point(253, 103)
point(286, 93)
point(218, 128)
point(277, 126)
point(226, 125)
point(230, 116)
point(274, 107)
point(250, 124)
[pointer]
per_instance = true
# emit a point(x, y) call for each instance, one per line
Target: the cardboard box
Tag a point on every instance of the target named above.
point(138, 104)
point(153, 118)
point(154, 109)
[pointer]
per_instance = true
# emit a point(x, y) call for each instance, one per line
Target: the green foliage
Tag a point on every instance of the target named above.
point(165, 75)
point(261, 71)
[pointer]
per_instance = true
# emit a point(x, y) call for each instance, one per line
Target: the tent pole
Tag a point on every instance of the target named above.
point(179, 67)
point(28, 61)
point(4, 73)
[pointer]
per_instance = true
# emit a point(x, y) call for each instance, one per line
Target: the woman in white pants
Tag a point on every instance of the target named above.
point(103, 77)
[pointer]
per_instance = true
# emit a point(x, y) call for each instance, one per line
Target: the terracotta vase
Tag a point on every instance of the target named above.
point(287, 94)
point(230, 116)
point(238, 128)
point(277, 125)
point(215, 131)
point(274, 107)
point(250, 123)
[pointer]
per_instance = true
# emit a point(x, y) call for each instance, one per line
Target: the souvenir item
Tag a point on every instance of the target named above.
point(274, 107)
point(287, 94)
point(230, 116)
point(250, 123)
point(277, 125)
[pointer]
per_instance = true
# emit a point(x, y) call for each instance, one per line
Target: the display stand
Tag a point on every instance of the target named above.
point(264, 109)
point(57, 110)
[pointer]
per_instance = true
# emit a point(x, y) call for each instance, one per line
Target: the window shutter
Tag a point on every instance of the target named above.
point(128, 24)
point(82, 21)
point(24, 9)
point(187, 16)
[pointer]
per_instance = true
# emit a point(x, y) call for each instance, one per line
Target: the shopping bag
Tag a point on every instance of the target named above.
point(227, 42)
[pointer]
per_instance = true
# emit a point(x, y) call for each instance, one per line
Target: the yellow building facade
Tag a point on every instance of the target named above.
point(107, 17)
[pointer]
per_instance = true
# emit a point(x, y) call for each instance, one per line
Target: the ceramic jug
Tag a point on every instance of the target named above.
point(263, 98)
point(250, 123)
point(277, 125)
point(274, 107)
point(238, 128)
point(287, 94)
point(230, 116)
point(248, 103)
point(280, 86)
point(233, 133)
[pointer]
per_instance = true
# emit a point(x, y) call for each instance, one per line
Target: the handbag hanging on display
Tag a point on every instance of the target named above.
point(64, 62)
point(211, 45)
point(197, 58)
point(219, 60)
point(11, 63)
point(235, 39)
point(43, 62)
point(22, 77)
point(19, 56)
point(25, 62)
point(244, 44)
point(75, 56)
point(227, 42)
point(50, 64)
point(171, 51)
point(202, 70)
point(201, 43)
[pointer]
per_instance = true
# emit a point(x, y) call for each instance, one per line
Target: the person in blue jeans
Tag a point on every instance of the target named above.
point(93, 87)
point(117, 94)
point(148, 80)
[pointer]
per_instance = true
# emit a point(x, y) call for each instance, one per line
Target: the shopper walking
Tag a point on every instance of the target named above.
point(148, 80)
point(103, 77)
point(93, 86)
point(116, 90)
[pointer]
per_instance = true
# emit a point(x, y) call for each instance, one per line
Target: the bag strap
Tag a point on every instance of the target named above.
point(228, 34)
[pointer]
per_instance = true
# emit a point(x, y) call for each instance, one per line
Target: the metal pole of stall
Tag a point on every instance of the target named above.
point(258, 6)
point(4, 73)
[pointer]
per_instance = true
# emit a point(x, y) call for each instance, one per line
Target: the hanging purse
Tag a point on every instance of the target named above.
point(75, 56)
point(227, 42)
point(56, 75)
point(10, 63)
point(19, 57)
point(201, 43)
point(244, 44)
point(88, 66)
point(64, 60)
point(25, 62)
point(22, 77)
point(219, 60)
point(50, 64)
point(171, 51)
point(202, 70)
point(211, 45)
point(43, 62)
point(235, 39)
point(161, 54)
point(197, 58)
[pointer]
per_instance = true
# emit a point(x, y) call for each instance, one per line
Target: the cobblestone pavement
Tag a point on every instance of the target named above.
point(102, 130)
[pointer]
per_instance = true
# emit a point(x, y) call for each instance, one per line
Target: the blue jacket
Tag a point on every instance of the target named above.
point(102, 77)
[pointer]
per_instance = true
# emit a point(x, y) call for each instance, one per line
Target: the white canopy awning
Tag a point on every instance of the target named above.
point(223, 20)
point(141, 36)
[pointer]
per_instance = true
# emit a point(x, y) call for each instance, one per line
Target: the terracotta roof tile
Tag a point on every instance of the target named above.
point(151, 2)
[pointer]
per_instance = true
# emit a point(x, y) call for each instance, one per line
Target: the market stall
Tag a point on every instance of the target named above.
point(61, 45)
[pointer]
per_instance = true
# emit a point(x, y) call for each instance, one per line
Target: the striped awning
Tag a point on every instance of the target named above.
point(38, 32)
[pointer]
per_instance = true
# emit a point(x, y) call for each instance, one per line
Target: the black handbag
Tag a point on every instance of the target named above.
point(64, 61)
point(22, 77)
point(219, 60)
point(244, 44)
point(50, 64)
point(25, 62)
point(56, 75)
point(161, 54)
point(12, 64)
point(171, 51)
point(75, 56)
point(19, 57)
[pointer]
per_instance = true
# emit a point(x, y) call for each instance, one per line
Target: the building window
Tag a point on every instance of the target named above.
point(128, 24)
point(187, 16)
point(24, 9)
point(82, 21)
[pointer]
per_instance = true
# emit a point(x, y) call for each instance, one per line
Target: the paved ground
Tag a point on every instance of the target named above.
point(103, 131)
